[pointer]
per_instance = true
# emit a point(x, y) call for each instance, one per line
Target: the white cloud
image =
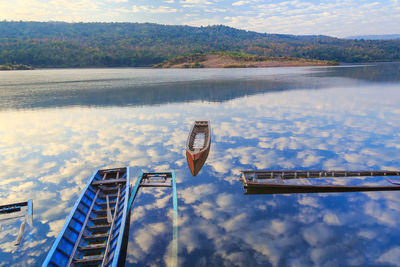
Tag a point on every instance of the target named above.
point(236, 223)
point(318, 235)
point(225, 201)
point(206, 211)
point(273, 224)
point(55, 227)
point(309, 159)
point(340, 18)
point(193, 3)
point(192, 194)
point(278, 227)
point(309, 201)
point(392, 257)
point(240, 3)
point(152, 9)
point(331, 219)
point(300, 17)
point(146, 237)
point(384, 216)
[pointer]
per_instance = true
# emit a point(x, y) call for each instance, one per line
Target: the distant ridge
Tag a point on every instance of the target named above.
point(375, 37)
point(61, 44)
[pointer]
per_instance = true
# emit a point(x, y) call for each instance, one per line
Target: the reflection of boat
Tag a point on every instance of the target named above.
point(273, 182)
point(198, 146)
point(93, 232)
point(16, 211)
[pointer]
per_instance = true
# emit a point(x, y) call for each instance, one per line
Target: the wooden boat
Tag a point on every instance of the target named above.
point(273, 182)
point(161, 179)
point(198, 146)
point(17, 211)
point(93, 232)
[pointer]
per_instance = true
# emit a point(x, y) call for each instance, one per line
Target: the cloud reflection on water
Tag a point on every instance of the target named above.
point(343, 127)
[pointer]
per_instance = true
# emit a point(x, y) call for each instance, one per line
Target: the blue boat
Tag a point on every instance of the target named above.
point(93, 232)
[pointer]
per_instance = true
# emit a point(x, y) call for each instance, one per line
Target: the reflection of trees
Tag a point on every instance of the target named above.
point(386, 72)
point(109, 92)
point(209, 90)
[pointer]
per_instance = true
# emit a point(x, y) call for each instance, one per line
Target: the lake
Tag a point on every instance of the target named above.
point(58, 126)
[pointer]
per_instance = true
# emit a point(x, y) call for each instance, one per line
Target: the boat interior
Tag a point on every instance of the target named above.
point(91, 236)
point(199, 136)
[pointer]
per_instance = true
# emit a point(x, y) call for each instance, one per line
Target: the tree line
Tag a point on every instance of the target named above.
point(60, 44)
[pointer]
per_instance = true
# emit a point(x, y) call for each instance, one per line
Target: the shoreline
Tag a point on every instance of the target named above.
point(9, 67)
point(238, 60)
point(279, 64)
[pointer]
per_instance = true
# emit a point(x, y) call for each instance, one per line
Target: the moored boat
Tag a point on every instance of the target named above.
point(198, 146)
point(22, 211)
point(16, 210)
point(161, 180)
point(274, 182)
point(93, 232)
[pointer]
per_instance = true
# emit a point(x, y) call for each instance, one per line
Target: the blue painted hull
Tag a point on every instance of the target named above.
point(93, 232)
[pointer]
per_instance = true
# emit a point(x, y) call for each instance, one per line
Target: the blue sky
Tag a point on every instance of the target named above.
point(336, 18)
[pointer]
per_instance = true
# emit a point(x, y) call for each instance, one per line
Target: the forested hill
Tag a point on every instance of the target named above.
point(59, 44)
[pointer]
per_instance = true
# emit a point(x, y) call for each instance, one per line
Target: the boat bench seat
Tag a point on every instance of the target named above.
point(111, 181)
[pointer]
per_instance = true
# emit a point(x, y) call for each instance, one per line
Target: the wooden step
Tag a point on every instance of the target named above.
point(94, 237)
point(105, 203)
point(89, 260)
point(102, 210)
point(156, 184)
point(109, 195)
point(97, 227)
point(94, 247)
point(108, 189)
point(98, 218)
point(109, 182)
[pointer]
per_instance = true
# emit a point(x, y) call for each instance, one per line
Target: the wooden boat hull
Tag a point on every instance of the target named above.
point(197, 157)
point(93, 232)
point(267, 188)
point(22, 211)
point(16, 209)
point(196, 161)
point(161, 179)
point(273, 182)
point(297, 174)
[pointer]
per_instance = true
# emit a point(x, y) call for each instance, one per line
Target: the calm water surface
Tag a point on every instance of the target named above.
point(58, 126)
